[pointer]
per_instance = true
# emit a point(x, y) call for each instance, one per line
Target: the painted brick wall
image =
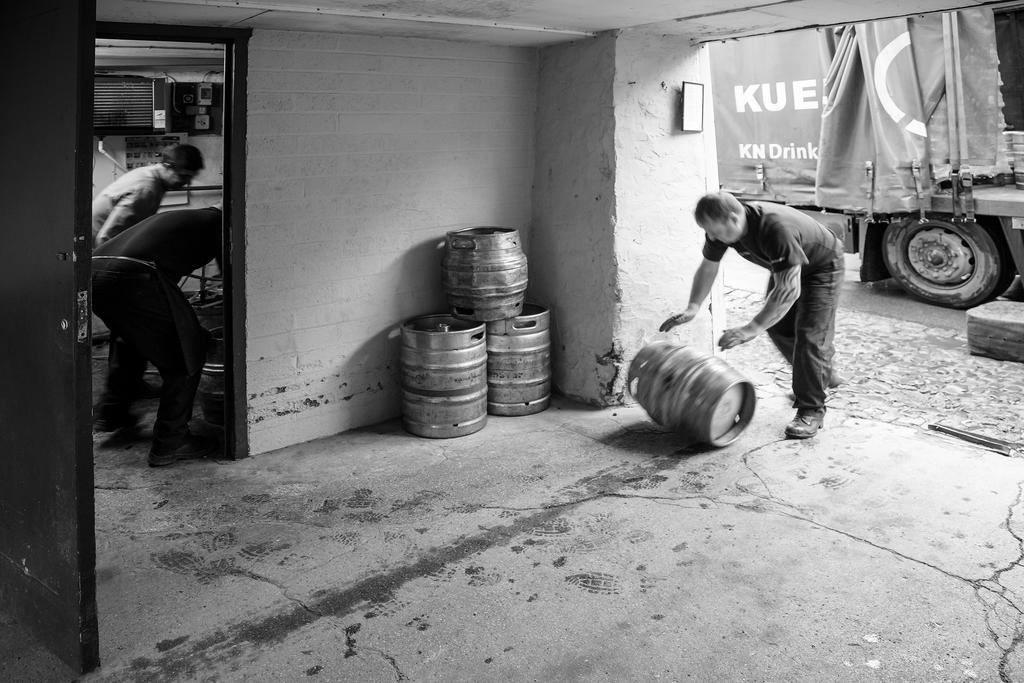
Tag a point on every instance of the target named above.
point(614, 238)
point(660, 175)
point(573, 266)
point(362, 153)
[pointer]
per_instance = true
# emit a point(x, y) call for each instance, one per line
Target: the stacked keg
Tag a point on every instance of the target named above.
point(444, 376)
point(519, 363)
point(490, 354)
point(484, 273)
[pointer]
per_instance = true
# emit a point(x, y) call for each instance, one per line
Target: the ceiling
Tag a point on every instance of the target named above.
point(114, 54)
point(521, 22)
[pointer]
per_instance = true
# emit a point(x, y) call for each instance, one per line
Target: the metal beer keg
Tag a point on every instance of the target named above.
point(444, 376)
point(519, 363)
point(484, 273)
point(692, 393)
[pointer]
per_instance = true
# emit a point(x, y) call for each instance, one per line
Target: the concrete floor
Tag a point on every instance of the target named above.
point(580, 545)
point(577, 544)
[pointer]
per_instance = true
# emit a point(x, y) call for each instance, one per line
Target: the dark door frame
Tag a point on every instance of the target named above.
point(236, 66)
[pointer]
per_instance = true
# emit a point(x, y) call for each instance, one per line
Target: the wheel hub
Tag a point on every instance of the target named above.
point(941, 256)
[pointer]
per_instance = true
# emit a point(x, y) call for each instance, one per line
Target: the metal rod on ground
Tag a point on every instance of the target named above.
point(997, 445)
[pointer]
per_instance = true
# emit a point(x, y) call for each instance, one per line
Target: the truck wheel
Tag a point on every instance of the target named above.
point(952, 264)
point(1015, 292)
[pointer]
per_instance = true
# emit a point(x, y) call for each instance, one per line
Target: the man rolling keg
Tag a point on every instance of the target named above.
point(135, 293)
point(799, 314)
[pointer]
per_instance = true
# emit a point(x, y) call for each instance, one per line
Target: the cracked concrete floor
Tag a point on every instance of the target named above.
point(577, 544)
point(584, 544)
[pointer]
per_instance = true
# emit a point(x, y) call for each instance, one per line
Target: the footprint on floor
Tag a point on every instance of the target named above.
point(596, 582)
point(362, 498)
point(649, 482)
point(259, 550)
point(552, 527)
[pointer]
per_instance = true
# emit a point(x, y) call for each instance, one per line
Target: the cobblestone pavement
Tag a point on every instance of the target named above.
point(897, 371)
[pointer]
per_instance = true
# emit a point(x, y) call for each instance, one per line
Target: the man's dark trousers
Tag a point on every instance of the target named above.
point(806, 335)
point(132, 302)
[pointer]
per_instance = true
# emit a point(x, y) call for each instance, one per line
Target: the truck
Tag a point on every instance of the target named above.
point(900, 135)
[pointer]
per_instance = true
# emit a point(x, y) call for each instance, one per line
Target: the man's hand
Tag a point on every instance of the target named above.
point(680, 318)
point(736, 336)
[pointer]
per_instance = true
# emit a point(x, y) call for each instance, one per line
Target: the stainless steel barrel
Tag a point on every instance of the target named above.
point(211, 382)
point(443, 376)
point(484, 273)
point(211, 393)
point(693, 393)
point(519, 363)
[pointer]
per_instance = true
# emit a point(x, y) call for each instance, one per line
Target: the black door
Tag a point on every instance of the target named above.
point(47, 542)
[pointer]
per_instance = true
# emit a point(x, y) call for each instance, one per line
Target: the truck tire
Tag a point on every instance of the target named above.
point(949, 263)
point(1015, 292)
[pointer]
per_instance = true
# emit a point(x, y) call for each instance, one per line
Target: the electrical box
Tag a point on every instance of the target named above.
point(197, 107)
point(204, 94)
point(183, 95)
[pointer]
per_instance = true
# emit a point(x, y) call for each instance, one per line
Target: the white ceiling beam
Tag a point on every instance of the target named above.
point(263, 6)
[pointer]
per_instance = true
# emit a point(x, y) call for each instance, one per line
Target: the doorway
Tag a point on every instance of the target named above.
point(150, 96)
point(198, 75)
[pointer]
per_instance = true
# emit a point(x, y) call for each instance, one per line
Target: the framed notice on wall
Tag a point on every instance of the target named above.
point(144, 150)
point(691, 107)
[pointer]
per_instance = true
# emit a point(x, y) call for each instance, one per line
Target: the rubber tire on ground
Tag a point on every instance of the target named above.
point(991, 276)
point(1015, 292)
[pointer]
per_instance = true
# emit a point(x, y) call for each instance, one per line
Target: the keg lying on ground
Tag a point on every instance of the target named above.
point(692, 393)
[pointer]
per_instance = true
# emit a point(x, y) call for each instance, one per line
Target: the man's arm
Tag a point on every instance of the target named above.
point(785, 292)
point(127, 211)
point(703, 279)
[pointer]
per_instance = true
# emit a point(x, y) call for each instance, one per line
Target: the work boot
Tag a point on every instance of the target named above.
point(806, 424)
point(192, 447)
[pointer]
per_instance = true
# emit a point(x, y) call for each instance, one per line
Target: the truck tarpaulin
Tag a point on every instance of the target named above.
point(893, 89)
point(767, 98)
point(837, 118)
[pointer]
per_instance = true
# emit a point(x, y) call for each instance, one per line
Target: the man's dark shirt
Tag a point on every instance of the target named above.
point(779, 237)
point(177, 242)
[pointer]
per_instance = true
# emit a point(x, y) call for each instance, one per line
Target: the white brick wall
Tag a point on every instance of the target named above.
point(616, 181)
point(573, 270)
point(362, 153)
point(660, 174)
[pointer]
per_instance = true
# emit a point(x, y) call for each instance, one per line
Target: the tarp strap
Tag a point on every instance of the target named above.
point(967, 181)
point(915, 170)
point(966, 176)
point(958, 86)
point(951, 93)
